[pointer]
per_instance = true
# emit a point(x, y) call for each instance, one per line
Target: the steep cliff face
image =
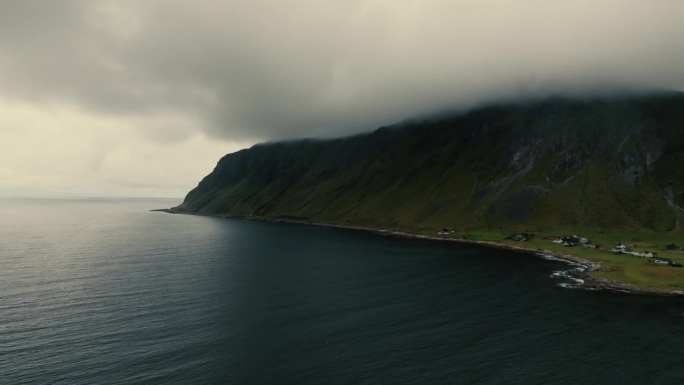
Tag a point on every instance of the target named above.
point(566, 162)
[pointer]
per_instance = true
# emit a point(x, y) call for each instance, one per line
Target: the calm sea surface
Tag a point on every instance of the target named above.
point(106, 292)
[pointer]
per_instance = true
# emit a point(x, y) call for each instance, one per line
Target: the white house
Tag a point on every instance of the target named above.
point(620, 249)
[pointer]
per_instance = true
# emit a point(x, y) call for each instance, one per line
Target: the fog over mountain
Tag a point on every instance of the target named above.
point(142, 97)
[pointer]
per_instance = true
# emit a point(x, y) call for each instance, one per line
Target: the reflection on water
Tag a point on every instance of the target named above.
point(108, 292)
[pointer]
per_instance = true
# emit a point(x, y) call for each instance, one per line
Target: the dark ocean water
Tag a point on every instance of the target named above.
point(106, 292)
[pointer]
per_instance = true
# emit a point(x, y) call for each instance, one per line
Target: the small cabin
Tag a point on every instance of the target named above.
point(621, 249)
point(663, 261)
point(517, 237)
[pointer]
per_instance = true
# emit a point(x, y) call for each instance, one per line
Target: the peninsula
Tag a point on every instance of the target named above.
point(602, 168)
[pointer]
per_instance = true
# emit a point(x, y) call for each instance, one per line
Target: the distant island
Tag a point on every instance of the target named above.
point(601, 168)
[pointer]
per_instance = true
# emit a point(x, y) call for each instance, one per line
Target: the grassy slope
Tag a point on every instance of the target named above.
point(628, 268)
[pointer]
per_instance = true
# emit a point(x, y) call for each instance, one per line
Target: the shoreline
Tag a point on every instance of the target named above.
point(581, 273)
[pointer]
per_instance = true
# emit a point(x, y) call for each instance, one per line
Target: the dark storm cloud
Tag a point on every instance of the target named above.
point(283, 69)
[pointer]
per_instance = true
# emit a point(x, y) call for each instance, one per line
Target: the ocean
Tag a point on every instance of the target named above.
point(103, 291)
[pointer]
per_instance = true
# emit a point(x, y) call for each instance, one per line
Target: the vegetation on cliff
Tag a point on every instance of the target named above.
point(600, 163)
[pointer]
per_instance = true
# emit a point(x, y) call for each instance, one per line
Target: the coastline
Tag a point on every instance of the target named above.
point(581, 273)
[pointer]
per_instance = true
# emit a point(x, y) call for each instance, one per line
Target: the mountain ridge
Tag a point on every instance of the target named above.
point(600, 162)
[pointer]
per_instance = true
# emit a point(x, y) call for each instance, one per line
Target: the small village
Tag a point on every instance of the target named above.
point(576, 241)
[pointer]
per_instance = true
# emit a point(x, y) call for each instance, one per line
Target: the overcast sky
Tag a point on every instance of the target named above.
point(142, 97)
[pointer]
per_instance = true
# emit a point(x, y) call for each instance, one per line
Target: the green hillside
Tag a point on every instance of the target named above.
point(600, 163)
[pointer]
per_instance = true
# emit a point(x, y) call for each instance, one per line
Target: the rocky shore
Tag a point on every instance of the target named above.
point(579, 273)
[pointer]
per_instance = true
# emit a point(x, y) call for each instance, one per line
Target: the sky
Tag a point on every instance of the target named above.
point(143, 97)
